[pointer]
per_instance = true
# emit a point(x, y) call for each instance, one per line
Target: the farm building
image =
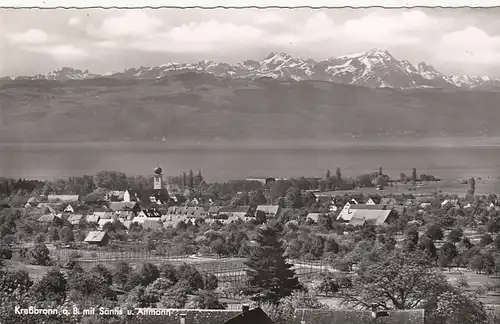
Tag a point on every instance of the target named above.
point(149, 213)
point(360, 217)
point(97, 238)
point(75, 219)
point(240, 211)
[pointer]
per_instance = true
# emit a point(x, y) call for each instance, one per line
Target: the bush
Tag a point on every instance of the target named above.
point(39, 255)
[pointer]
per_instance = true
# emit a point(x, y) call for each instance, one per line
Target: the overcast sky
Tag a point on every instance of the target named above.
point(39, 41)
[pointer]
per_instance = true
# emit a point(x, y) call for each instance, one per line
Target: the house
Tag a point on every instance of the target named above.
point(103, 222)
point(213, 211)
point(149, 213)
point(240, 211)
point(125, 215)
point(152, 224)
point(269, 210)
point(63, 198)
point(92, 218)
point(373, 201)
point(75, 219)
point(99, 238)
point(69, 209)
point(348, 210)
point(32, 202)
point(376, 217)
point(313, 216)
point(449, 202)
point(104, 214)
point(425, 205)
point(118, 206)
point(253, 316)
point(49, 218)
point(130, 196)
point(115, 196)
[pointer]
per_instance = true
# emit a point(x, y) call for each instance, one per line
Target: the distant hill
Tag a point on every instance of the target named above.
point(202, 107)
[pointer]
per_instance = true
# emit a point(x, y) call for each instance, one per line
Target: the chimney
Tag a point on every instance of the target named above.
point(183, 318)
point(245, 308)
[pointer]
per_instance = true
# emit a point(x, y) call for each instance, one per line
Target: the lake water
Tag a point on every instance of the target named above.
point(45, 161)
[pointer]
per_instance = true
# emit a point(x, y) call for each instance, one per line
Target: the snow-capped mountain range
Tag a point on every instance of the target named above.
point(376, 68)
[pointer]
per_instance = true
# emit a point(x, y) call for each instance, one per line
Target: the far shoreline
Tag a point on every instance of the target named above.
point(291, 144)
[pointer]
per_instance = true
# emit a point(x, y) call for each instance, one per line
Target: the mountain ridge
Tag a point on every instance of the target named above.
point(376, 68)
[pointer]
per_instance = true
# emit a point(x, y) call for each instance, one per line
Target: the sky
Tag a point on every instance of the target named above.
point(36, 41)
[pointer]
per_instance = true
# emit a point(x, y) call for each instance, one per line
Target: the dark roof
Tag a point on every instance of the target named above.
point(370, 207)
point(254, 316)
point(122, 205)
point(237, 209)
point(376, 200)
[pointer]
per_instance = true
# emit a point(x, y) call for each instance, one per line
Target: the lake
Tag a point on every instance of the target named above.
point(46, 161)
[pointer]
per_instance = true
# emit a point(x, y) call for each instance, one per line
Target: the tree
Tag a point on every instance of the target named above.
point(455, 235)
point(52, 286)
point(492, 226)
point(447, 253)
point(149, 273)
point(402, 177)
point(121, 273)
point(414, 175)
point(191, 179)
point(168, 271)
point(402, 280)
point(270, 276)
point(189, 278)
point(328, 175)
point(485, 240)
point(204, 299)
point(103, 272)
point(219, 247)
point(472, 186)
point(293, 198)
point(210, 281)
point(184, 180)
point(39, 255)
point(380, 173)
point(66, 234)
point(338, 175)
point(434, 232)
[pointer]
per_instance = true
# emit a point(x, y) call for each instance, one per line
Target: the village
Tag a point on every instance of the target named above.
point(213, 232)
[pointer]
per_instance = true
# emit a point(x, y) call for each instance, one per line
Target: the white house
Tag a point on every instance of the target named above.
point(69, 209)
point(130, 196)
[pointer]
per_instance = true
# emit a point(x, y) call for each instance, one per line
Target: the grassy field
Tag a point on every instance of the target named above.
point(483, 187)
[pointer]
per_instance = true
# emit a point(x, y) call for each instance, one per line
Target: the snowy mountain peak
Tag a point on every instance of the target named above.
point(374, 68)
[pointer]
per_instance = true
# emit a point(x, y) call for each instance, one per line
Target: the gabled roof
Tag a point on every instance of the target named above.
point(104, 215)
point(47, 218)
point(103, 222)
point(92, 218)
point(95, 236)
point(314, 216)
point(64, 198)
point(365, 206)
point(75, 218)
point(122, 205)
point(236, 209)
point(376, 200)
point(373, 217)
